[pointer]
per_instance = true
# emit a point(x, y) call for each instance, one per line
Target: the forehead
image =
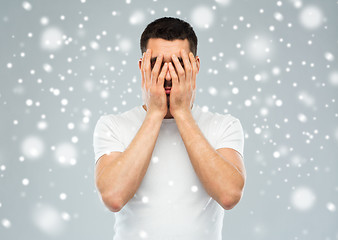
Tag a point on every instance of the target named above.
point(159, 45)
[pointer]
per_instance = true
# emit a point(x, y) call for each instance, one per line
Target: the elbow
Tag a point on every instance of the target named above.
point(230, 201)
point(112, 202)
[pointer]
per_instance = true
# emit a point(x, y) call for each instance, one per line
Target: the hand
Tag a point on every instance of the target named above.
point(183, 89)
point(153, 92)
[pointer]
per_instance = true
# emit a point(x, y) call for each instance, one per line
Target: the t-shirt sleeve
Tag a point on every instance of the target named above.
point(231, 136)
point(106, 137)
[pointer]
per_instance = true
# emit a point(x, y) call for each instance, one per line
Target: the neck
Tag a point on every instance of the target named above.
point(168, 115)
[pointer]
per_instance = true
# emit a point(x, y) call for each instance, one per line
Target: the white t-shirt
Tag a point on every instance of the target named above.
point(171, 202)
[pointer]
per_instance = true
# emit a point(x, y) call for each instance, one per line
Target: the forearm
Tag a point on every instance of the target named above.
point(123, 177)
point(220, 178)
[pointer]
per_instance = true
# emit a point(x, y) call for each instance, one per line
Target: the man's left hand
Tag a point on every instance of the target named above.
point(183, 87)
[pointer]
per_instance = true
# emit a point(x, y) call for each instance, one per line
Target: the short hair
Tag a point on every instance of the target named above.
point(169, 28)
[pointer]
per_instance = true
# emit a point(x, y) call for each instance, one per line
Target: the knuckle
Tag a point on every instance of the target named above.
point(146, 64)
point(157, 70)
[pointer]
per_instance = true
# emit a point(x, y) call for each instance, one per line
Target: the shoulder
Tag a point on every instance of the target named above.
point(106, 119)
point(104, 124)
point(119, 116)
point(123, 120)
point(215, 118)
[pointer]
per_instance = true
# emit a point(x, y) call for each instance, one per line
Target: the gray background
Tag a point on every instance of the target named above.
point(282, 85)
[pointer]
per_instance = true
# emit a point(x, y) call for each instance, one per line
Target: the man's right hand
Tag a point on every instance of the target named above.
point(153, 84)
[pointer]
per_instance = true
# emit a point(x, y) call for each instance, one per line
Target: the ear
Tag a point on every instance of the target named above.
point(198, 63)
point(140, 63)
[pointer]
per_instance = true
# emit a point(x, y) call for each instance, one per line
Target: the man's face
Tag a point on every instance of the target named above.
point(167, 48)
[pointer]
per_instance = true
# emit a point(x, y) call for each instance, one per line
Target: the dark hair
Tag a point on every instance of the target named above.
point(169, 28)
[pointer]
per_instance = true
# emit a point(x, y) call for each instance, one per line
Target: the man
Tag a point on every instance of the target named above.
point(166, 168)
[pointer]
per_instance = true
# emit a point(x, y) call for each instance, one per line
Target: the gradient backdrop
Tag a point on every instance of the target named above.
point(272, 64)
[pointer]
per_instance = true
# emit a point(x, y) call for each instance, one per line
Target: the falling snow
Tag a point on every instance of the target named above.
point(271, 64)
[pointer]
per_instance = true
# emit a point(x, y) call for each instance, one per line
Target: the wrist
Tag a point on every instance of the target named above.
point(155, 115)
point(182, 113)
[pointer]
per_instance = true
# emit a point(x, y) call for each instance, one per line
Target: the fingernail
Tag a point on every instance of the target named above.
point(148, 50)
point(174, 55)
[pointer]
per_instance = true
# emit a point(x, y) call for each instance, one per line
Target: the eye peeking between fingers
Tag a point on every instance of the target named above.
point(153, 61)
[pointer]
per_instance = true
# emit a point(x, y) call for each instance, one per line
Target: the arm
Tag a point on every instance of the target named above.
point(219, 176)
point(216, 169)
point(119, 180)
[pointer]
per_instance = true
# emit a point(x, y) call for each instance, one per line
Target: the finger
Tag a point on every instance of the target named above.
point(173, 74)
point(164, 70)
point(147, 69)
point(187, 65)
point(156, 69)
point(142, 67)
point(194, 69)
point(179, 68)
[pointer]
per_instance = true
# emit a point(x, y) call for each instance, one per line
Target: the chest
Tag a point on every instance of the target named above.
point(170, 176)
